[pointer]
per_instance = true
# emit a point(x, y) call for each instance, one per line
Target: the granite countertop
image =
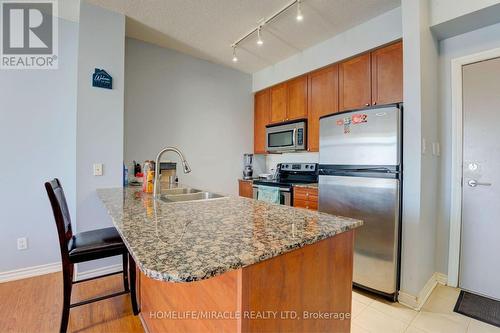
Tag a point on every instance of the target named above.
point(191, 241)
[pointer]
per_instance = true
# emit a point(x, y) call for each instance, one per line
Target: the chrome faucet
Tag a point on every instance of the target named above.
point(185, 166)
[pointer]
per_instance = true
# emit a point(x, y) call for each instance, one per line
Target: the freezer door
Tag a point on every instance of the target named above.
point(366, 137)
point(376, 202)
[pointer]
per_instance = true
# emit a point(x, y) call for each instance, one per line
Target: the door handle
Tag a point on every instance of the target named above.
point(474, 183)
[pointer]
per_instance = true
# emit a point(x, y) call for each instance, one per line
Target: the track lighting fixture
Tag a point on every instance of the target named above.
point(299, 17)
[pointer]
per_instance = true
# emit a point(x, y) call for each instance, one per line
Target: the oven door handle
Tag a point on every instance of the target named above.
point(282, 189)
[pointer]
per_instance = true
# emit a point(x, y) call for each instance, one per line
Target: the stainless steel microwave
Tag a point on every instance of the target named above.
point(285, 138)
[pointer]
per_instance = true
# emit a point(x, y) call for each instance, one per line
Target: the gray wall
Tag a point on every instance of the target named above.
point(455, 47)
point(204, 109)
point(99, 115)
point(37, 135)
point(420, 169)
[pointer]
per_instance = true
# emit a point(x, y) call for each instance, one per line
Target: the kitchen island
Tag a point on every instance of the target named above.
point(234, 264)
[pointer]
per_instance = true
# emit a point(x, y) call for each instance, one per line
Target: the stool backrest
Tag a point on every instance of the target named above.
point(61, 214)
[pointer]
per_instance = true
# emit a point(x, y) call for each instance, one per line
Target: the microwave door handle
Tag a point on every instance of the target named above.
point(294, 141)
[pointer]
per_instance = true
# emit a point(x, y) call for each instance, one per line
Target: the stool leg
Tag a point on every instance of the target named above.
point(125, 272)
point(131, 273)
point(68, 283)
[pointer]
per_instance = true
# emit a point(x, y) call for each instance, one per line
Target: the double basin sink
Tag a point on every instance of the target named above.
point(187, 194)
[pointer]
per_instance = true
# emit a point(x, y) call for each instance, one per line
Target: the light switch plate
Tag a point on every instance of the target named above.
point(97, 169)
point(436, 149)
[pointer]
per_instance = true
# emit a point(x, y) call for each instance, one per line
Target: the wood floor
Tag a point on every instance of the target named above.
point(36, 304)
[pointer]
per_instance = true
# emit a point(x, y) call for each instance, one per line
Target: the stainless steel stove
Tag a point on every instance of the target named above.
point(287, 175)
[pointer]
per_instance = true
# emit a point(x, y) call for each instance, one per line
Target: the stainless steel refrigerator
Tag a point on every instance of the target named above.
point(360, 177)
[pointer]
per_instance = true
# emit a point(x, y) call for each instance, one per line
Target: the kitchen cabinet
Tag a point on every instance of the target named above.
point(297, 98)
point(278, 103)
point(355, 83)
point(261, 120)
point(305, 197)
point(289, 100)
point(245, 188)
point(323, 100)
point(373, 78)
point(387, 74)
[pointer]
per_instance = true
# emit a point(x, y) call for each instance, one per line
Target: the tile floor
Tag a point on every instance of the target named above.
point(374, 315)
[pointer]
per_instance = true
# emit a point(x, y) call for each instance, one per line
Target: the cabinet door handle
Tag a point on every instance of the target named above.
point(374, 103)
point(367, 104)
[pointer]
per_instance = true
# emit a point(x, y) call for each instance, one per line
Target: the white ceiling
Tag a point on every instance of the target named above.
point(207, 28)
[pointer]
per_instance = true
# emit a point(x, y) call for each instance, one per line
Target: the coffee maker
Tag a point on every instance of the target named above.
point(247, 166)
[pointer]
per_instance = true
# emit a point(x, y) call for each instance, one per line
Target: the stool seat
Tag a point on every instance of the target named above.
point(95, 244)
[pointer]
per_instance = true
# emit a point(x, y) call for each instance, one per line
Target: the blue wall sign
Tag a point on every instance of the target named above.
point(102, 79)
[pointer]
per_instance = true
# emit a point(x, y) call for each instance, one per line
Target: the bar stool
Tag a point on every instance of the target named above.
point(86, 246)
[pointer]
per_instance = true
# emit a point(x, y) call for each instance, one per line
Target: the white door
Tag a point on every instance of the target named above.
point(480, 243)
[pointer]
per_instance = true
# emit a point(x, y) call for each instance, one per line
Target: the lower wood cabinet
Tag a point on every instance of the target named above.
point(305, 197)
point(245, 188)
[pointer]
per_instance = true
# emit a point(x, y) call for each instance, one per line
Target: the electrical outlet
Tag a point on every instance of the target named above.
point(97, 169)
point(22, 243)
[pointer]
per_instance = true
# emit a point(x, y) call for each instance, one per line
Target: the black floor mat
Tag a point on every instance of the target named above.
point(478, 307)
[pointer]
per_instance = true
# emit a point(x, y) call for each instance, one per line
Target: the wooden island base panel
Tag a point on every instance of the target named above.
point(305, 290)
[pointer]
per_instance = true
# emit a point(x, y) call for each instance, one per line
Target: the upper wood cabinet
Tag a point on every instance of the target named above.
point(387, 74)
point(289, 100)
point(372, 78)
point(261, 120)
point(323, 100)
point(278, 103)
point(297, 98)
point(355, 83)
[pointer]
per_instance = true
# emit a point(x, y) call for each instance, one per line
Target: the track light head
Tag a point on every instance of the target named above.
point(235, 58)
point(259, 39)
point(299, 17)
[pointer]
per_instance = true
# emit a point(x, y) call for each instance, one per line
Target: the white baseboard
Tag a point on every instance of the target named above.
point(442, 278)
point(23, 273)
point(97, 272)
point(416, 302)
point(27, 272)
